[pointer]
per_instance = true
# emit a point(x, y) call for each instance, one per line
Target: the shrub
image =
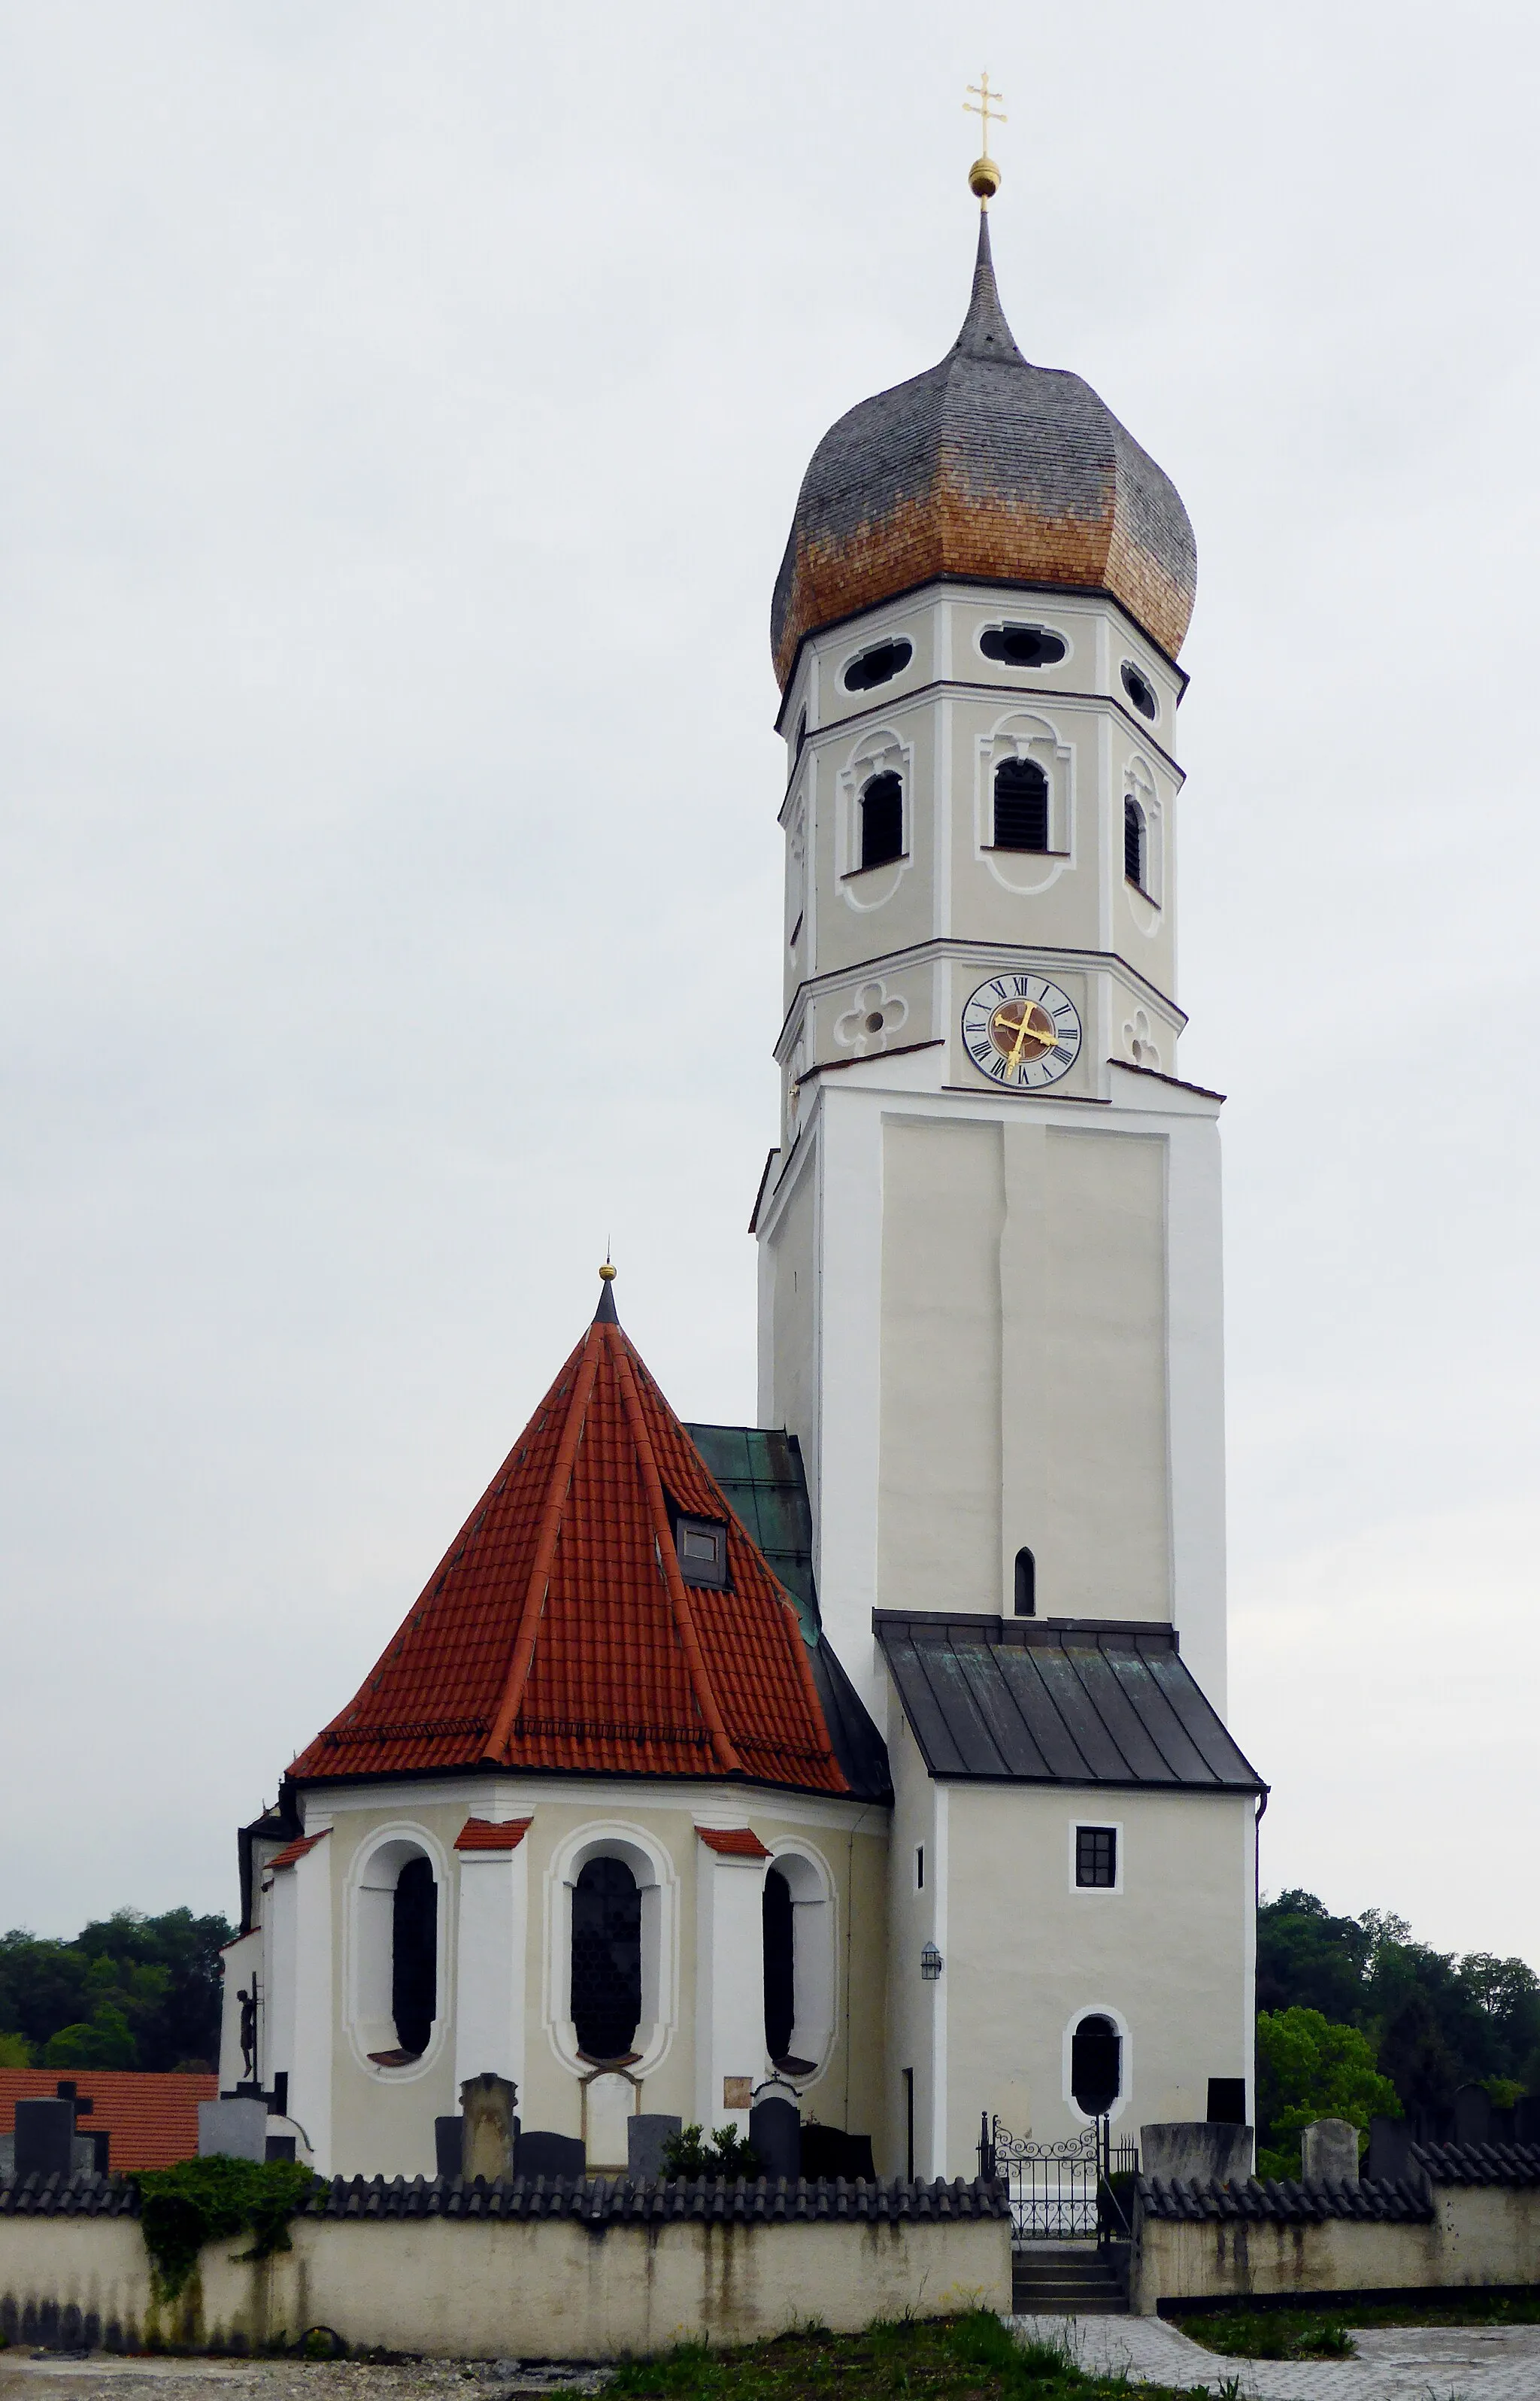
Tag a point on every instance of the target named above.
point(726, 2153)
point(200, 2201)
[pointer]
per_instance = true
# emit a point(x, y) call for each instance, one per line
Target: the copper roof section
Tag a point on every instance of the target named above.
point(989, 468)
point(558, 1633)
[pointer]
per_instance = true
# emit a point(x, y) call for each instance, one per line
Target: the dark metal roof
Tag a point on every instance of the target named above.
point(1059, 1701)
point(598, 2201)
point(759, 1472)
point(1288, 2204)
point(990, 468)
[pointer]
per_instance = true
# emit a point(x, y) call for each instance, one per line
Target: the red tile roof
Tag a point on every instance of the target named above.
point(558, 1633)
point(492, 1834)
point(733, 1841)
point(295, 1851)
point(152, 2119)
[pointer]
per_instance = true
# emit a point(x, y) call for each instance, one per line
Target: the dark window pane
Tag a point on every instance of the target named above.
point(879, 665)
point(1026, 1584)
point(1021, 646)
point(881, 821)
point(780, 1982)
point(1141, 692)
point(1227, 2100)
point(1096, 2066)
point(415, 1955)
point(606, 1958)
point(1021, 805)
point(1133, 843)
point(702, 1546)
point(1097, 1854)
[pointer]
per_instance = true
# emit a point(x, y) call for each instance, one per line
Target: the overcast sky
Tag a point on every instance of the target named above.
point(401, 413)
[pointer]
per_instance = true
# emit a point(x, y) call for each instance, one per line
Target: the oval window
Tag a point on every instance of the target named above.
point(1140, 691)
point(1021, 646)
point(879, 665)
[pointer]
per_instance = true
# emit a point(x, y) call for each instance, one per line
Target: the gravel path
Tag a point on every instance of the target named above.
point(47, 2377)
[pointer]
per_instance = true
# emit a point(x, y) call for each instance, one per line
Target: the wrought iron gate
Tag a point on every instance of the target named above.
point(1059, 2192)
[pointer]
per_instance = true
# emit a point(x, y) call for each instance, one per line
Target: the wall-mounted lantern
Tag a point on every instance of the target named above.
point(931, 1964)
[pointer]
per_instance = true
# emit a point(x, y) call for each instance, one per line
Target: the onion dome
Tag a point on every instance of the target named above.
point(987, 468)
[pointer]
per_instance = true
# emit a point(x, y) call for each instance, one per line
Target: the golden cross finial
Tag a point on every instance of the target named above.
point(984, 175)
point(986, 103)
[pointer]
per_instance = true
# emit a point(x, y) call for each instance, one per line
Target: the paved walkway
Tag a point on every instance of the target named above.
point(1393, 2363)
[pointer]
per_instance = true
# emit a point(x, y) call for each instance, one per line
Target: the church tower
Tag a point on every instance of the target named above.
point(989, 1239)
point(989, 1244)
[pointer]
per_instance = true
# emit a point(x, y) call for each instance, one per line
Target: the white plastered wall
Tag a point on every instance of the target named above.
point(491, 1932)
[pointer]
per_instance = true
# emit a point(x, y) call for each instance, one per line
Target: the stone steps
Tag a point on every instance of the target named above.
point(1060, 2283)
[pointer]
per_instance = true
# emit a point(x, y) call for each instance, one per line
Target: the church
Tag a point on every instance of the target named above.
point(875, 1755)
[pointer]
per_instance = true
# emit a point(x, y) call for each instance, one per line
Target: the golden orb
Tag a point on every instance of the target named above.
point(984, 180)
point(609, 1273)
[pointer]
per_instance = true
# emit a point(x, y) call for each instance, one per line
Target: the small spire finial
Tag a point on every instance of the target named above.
point(984, 175)
point(605, 1314)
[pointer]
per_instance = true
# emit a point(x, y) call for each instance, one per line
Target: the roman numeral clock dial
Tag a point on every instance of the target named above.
point(1021, 1031)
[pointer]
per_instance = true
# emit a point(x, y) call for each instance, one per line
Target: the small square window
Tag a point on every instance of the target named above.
point(1096, 1856)
point(702, 1543)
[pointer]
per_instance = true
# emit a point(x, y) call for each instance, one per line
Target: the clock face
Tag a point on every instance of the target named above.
point(1021, 1031)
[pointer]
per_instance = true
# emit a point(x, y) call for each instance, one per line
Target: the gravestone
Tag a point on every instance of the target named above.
point(237, 2130)
point(1472, 2115)
point(45, 2138)
point(489, 2130)
point(775, 2130)
point(1526, 2118)
point(1197, 2148)
point(1329, 2150)
point(1388, 2158)
point(447, 2138)
point(552, 2155)
point(644, 2140)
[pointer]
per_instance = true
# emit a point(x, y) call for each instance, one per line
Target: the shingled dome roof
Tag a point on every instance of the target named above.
point(990, 468)
point(559, 1633)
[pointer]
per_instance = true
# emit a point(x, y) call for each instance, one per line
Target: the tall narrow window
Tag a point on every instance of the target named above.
point(1021, 805)
point(415, 1957)
point(779, 1966)
point(607, 1959)
point(1133, 842)
point(883, 820)
point(1096, 2066)
point(1026, 1584)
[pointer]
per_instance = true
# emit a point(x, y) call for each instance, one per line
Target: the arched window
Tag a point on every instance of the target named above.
point(1096, 2066)
point(1021, 805)
point(779, 1966)
point(1026, 1584)
point(607, 1959)
point(415, 1955)
point(883, 820)
point(1133, 842)
point(800, 1969)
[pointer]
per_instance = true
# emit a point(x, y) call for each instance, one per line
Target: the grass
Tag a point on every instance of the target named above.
point(969, 2359)
point(1271, 2334)
point(1316, 2334)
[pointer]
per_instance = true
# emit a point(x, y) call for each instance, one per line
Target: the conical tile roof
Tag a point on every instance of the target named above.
point(558, 1633)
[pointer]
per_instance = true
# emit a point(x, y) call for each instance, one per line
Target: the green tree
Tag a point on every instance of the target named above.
point(15, 2051)
point(104, 2040)
point(128, 1991)
point(1307, 2068)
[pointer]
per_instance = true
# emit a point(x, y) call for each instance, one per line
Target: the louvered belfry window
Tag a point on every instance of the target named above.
point(883, 820)
point(606, 1958)
point(1021, 805)
point(1133, 843)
